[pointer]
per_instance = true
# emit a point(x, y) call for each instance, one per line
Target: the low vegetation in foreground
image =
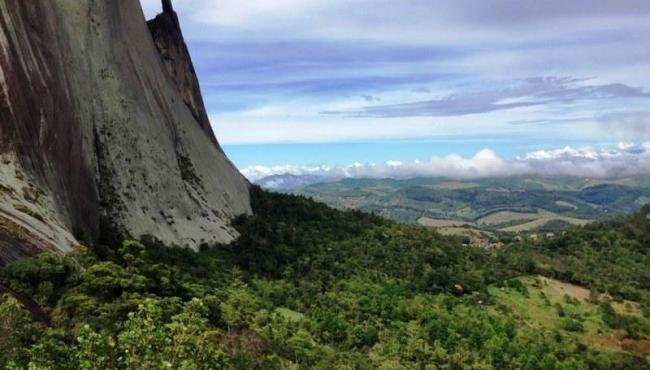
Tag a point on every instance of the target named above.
point(309, 287)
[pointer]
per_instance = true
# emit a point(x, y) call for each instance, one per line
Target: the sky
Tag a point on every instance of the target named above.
point(456, 88)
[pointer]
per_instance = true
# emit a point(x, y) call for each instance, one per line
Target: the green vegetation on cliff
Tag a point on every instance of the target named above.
point(307, 286)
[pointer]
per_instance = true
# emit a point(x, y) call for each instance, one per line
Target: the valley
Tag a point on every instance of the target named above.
point(510, 205)
point(130, 239)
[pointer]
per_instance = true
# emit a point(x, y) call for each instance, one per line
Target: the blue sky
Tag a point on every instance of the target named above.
point(291, 83)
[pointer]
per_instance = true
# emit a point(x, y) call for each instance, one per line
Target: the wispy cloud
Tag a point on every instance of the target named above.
point(635, 122)
point(525, 93)
point(370, 98)
point(622, 160)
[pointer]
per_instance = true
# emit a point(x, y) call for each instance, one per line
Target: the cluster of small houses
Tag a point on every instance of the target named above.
point(535, 236)
point(486, 243)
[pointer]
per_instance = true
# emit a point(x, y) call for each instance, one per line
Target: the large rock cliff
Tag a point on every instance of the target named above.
point(103, 131)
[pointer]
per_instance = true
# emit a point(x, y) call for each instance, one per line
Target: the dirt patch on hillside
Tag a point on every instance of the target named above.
point(454, 185)
point(436, 223)
point(501, 217)
point(560, 289)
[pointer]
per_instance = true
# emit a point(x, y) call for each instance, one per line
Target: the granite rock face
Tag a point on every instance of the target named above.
point(168, 38)
point(103, 131)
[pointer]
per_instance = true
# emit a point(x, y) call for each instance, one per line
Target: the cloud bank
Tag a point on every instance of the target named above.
point(622, 160)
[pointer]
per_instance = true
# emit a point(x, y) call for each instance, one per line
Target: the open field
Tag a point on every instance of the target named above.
point(548, 304)
point(559, 289)
point(542, 221)
point(474, 234)
point(565, 204)
point(628, 308)
point(526, 221)
point(454, 185)
point(436, 223)
point(502, 217)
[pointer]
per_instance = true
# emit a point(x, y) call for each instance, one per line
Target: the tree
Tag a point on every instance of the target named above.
point(240, 306)
point(17, 332)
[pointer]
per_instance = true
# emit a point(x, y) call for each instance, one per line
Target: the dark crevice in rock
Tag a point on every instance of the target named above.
point(109, 231)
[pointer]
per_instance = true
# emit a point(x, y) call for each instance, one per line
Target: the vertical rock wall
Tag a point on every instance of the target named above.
point(103, 131)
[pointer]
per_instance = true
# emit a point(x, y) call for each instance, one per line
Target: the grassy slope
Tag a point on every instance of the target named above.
point(548, 304)
point(543, 220)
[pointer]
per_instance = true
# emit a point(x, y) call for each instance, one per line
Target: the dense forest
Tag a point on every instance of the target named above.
point(310, 287)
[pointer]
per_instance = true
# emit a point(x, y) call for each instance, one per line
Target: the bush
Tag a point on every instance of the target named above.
point(572, 325)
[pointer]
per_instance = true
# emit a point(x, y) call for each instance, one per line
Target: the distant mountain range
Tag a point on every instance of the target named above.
point(288, 181)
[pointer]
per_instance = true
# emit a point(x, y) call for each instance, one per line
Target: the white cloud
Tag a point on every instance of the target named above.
point(622, 160)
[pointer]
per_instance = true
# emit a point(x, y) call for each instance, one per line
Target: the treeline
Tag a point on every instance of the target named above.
point(305, 287)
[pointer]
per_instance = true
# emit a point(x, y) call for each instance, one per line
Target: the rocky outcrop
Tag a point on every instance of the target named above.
point(168, 38)
point(103, 131)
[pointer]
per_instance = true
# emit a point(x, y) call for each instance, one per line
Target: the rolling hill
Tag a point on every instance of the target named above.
point(506, 204)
